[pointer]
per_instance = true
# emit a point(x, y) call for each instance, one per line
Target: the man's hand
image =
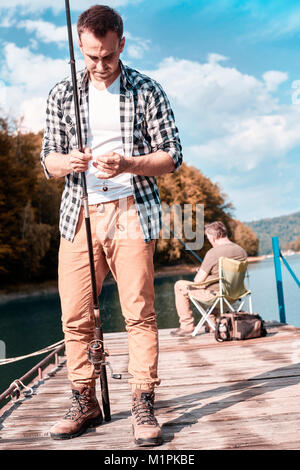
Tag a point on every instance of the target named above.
point(153, 164)
point(79, 161)
point(200, 276)
point(110, 164)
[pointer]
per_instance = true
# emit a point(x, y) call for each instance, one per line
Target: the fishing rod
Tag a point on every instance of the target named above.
point(96, 352)
point(187, 248)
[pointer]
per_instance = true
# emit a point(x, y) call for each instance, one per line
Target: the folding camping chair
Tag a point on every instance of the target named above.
point(231, 289)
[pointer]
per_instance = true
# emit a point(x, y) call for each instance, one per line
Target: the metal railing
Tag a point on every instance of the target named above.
point(14, 388)
point(278, 256)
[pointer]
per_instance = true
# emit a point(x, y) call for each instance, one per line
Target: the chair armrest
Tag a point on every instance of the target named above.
point(204, 283)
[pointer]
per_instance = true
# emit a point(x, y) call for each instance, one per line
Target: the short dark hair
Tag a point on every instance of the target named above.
point(100, 19)
point(216, 229)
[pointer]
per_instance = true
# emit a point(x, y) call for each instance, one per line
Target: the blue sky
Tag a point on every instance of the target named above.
point(230, 69)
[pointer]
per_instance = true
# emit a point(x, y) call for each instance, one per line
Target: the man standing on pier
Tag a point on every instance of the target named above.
point(129, 138)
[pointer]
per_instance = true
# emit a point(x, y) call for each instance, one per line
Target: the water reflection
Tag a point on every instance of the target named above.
point(111, 314)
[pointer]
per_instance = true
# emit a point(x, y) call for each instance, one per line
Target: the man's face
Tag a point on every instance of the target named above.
point(101, 56)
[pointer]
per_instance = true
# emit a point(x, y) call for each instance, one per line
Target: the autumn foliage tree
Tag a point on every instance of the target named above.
point(27, 227)
point(294, 245)
point(13, 192)
point(245, 237)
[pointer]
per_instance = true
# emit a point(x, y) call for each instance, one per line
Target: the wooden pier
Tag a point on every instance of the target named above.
point(234, 395)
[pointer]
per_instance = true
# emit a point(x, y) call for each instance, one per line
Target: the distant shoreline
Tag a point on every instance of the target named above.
point(50, 287)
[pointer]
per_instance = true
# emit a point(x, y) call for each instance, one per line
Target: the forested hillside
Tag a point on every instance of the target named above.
point(29, 211)
point(286, 228)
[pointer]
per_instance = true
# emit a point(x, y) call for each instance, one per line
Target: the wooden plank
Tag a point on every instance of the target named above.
point(238, 395)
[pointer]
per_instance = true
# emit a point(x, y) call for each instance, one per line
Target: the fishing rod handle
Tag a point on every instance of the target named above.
point(105, 394)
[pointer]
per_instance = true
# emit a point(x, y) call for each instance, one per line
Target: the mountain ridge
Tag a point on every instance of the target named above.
point(285, 227)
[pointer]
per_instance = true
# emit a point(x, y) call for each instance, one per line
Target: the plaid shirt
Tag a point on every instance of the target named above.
point(147, 125)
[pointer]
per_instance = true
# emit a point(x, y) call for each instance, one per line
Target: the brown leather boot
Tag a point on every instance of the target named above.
point(84, 412)
point(146, 429)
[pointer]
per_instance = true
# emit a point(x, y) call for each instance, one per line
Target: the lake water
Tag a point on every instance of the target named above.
point(30, 324)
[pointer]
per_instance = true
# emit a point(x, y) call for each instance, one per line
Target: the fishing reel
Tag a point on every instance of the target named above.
point(97, 355)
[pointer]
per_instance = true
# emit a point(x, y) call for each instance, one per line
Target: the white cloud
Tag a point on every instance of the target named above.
point(214, 58)
point(48, 32)
point(45, 31)
point(252, 141)
point(7, 20)
point(273, 79)
point(233, 119)
point(135, 46)
point(3, 95)
point(24, 68)
point(135, 51)
point(30, 77)
point(213, 95)
point(33, 110)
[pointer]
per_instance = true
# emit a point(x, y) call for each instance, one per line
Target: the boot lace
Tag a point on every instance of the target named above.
point(79, 405)
point(142, 409)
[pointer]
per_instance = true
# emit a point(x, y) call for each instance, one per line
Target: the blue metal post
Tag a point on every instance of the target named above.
point(290, 270)
point(278, 274)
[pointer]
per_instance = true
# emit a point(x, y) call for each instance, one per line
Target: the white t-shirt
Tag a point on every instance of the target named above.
point(104, 135)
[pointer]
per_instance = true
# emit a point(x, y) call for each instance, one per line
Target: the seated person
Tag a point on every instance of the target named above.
point(221, 246)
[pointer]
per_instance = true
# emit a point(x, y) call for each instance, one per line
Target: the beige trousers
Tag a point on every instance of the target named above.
point(183, 305)
point(119, 246)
